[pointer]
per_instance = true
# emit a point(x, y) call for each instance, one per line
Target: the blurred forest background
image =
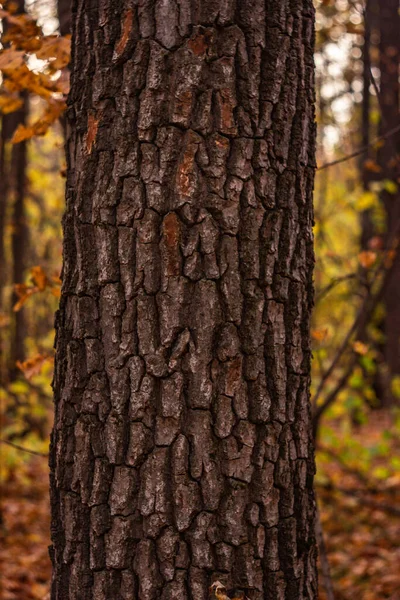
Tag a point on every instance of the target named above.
point(356, 322)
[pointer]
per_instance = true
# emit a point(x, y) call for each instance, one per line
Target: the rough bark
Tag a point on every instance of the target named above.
point(390, 170)
point(182, 450)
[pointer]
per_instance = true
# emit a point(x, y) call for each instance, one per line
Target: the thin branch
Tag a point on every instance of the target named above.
point(333, 284)
point(361, 150)
point(319, 410)
point(366, 310)
point(22, 448)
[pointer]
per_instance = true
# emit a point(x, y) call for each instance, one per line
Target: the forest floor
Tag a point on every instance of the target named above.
point(361, 530)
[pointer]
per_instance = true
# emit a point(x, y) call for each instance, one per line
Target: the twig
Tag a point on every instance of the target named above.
point(319, 410)
point(363, 315)
point(323, 557)
point(361, 150)
point(333, 284)
point(22, 448)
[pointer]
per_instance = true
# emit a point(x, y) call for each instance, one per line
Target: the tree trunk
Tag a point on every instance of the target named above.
point(19, 240)
point(64, 16)
point(367, 226)
point(13, 162)
point(182, 448)
point(390, 170)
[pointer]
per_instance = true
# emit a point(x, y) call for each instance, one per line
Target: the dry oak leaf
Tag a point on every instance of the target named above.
point(367, 259)
point(9, 103)
point(319, 334)
point(56, 49)
point(23, 292)
point(371, 165)
point(218, 591)
point(11, 59)
point(32, 366)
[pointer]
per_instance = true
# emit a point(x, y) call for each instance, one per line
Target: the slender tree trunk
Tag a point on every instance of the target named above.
point(4, 185)
point(19, 239)
point(4, 182)
point(390, 170)
point(64, 16)
point(12, 193)
point(182, 448)
point(367, 227)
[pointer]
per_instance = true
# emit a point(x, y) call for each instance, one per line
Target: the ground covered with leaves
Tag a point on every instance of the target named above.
point(360, 514)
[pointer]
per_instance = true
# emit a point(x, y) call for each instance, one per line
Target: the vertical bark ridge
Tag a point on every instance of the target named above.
point(181, 450)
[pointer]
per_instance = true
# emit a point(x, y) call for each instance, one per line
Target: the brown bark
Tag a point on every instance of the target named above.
point(390, 170)
point(19, 241)
point(182, 448)
point(64, 16)
point(12, 192)
point(367, 226)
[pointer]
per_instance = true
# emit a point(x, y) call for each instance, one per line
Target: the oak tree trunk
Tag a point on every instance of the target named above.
point(182, 450)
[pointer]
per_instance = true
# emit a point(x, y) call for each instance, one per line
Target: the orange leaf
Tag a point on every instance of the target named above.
point(4, 320)
point(39, 278)
point(56, 49)
point(360, 348)
point(371, 165)
point(11, 59)
point(367, 259)
point(9, 104)
point(319, 334)
point(32, 366)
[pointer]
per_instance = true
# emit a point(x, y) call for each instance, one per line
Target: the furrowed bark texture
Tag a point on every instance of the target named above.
point(181, 450)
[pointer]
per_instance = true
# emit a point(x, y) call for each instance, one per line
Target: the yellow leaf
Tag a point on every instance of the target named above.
point(366, 200)
point(360, 348)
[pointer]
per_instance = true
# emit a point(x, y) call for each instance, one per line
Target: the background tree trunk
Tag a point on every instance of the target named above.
point(388, 157)
point(13, 162)
point(182, 449)
point(19, 240)
point(64, 16)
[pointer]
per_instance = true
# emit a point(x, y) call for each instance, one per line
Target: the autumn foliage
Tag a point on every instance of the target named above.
point(358, 465)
